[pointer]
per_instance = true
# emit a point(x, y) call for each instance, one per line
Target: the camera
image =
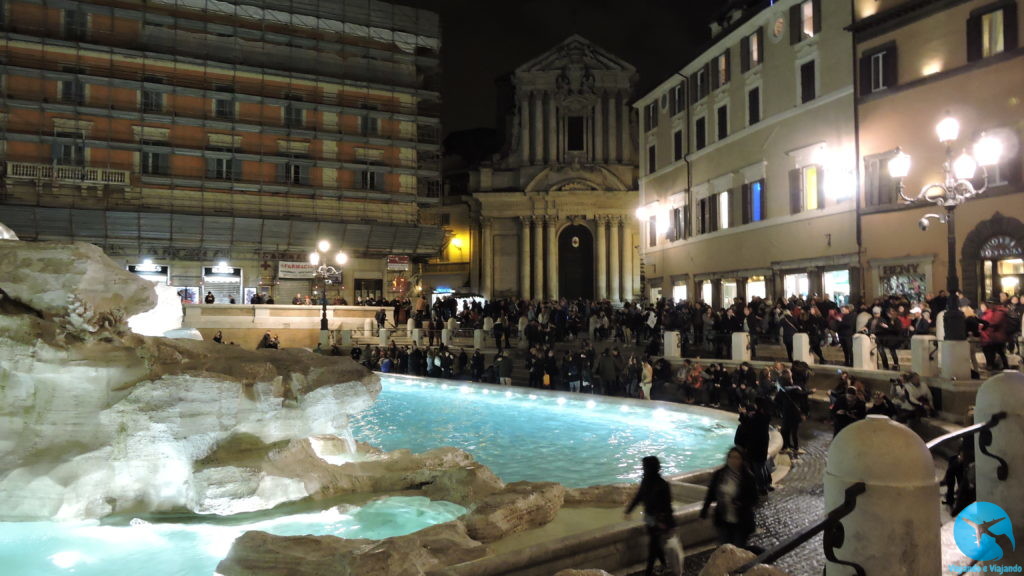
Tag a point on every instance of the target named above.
point(923, 223)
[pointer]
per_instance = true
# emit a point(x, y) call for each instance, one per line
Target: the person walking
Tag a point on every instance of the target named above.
point(752, 436)
point(656, 496)
point(734, 489)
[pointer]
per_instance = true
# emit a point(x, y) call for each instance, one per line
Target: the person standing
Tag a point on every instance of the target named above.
point(656, 496)
point(752, 436)
point(734, 489)
point(210, 299)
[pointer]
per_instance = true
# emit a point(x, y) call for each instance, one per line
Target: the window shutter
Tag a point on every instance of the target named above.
point(715, 83)
point(736, 208)
point(211, 167)
point(694, 96)
point(746, 203)
point(728, 66)
point(974, 38)
point(795, 202)
point(1010, 38)
point(282, 173)
point(700, 216)
point(236, 169)
point(55, 152)
point(764, 200)
point(821, 186)
point(304, 173)
point(707, 74)
point(687, 228)
point(745, 54)
point(816, 4)
point(164, 161)
point(795, 28)
point(891, 71)
point(865, 75)
point(760, 45)
point(713, 213)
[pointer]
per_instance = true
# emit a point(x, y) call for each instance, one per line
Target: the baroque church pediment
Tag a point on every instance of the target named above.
point(576, 51)
point(575, 179)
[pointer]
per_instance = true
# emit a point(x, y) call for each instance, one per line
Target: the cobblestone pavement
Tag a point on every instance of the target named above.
point(798, 501)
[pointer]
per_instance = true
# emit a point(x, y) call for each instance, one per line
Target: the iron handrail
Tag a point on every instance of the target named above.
point(833, 536)
point(984, 431)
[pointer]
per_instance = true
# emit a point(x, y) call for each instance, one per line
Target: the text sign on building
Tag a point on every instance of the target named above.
point(295, 270)
point(1001, 247)
point(398, 262)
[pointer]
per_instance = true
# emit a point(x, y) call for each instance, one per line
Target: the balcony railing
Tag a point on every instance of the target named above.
point(68, 174)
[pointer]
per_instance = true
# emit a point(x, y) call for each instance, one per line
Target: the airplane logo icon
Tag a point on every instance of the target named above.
point(982, 528)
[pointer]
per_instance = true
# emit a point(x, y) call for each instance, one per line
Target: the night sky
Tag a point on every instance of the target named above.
point(482, 39)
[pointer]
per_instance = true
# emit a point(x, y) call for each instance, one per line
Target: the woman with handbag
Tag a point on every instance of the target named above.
point(656, 496)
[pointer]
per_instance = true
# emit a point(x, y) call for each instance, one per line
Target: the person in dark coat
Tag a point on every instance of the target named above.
point(845, 326)
point(752, 436)
point(792, 404)
point(656, 496)
point(790, 326)
point(734, 488)
point(847, 409)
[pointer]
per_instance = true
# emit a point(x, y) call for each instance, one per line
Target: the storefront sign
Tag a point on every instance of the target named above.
point(899, 269)
point(999, 247)
point(148, 269)
point(222, 271)
point(398, 263)
point(295, 270)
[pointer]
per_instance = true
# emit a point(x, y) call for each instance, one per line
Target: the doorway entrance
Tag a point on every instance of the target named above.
point(576, 262)
point(993, 258)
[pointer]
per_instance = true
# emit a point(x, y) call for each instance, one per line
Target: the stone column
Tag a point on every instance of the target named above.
point(627, 140)
point(1003, 392)
point(486, 258)
point(538, 260)
point(524, 127)
point(552, 133)
point(524, 256)
point(602, 260)
point(538, 128)
point(627, 261)
point(613, 134)
point(897, 510)
point(599, 156)
point(552, 258)
point(613, 260)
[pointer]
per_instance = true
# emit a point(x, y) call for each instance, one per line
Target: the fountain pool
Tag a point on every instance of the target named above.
point(521, 434)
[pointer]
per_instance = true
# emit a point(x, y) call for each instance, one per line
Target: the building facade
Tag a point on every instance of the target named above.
point(213, 143)
point(553, 213)
point(918, 62)
point(748, 161)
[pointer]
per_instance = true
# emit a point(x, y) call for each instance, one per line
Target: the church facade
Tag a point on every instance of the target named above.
point(552, 215)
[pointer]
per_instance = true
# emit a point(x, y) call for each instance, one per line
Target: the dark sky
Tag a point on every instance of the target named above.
point(482, 39)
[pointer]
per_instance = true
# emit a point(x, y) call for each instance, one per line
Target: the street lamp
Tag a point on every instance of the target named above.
point(953, 191)
point(324, 271)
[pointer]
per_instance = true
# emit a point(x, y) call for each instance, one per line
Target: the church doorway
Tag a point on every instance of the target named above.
point(576, 262)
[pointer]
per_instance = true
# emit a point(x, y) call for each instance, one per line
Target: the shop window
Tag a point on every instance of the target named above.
point(796, 285)
point(806, 189)
point(706, 291)
point(756, 286)
point(751, 50)
point(992, 30)
point(679, 293)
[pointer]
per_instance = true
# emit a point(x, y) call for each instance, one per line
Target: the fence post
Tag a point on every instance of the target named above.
point(1003, 392)
point(899, 510)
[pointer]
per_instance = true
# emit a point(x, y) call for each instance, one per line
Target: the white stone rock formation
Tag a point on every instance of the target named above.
point(6, 233)
point(95, 420)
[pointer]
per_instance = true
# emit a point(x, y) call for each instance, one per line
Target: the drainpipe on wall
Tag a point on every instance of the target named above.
point(688, 225)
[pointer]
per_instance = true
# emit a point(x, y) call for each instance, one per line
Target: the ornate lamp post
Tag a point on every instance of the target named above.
point(324, 271)
point(953, 191)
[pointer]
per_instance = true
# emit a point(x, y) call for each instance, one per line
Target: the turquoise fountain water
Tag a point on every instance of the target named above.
point(574, 439)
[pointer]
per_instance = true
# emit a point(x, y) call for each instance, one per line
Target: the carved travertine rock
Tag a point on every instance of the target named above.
point(410, 555)
point(727, 558)
point(606, 495)
point(520, 506)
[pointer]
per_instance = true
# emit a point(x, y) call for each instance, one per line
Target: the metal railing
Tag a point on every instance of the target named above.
point(68, 174)
point(984, 432)
point(834, 534)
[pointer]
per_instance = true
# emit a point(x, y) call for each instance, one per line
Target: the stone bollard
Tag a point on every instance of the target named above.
point(897, 513)
point(802, 348)
point(672, 350)
point(452, 324)
point(346, 339)
point(488, 324)
point(940, 333)
point(446, 336)
point(1003, 392)
point(417, 336)
point(383, 336)
point(862, 359)
point(410, 325)
point(924, 356)
point(741, 347)
point(368, 325)
point(955, 359)
point(478, 339)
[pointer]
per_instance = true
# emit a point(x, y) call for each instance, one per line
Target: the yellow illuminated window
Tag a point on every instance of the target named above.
point(992, 33)
point(811, 188)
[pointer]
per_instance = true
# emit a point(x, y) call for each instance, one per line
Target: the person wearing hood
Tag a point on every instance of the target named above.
point(656, 496)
